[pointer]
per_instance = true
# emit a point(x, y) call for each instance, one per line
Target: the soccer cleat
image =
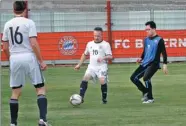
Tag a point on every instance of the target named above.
point(148, 101)
point(144, 98)
point(82, 101)
point(43, 123)
point(13, 125)
point(104, 101)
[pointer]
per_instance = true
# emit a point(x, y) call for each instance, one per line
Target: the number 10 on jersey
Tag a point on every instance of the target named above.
point(95, 52)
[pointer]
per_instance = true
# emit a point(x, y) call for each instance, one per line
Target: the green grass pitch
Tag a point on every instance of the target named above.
point(124, 107)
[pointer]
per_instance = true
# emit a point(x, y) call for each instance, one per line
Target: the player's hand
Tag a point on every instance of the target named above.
point(100, 60)
point(77, 67)
point(139, 60)
point(165, 69)
point(43, 66)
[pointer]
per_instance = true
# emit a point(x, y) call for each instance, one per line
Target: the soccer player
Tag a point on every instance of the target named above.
point(150, 62)
point(22, 49)
point(100, 52)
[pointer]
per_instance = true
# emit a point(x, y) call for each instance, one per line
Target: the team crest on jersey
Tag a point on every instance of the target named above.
point(68, 45)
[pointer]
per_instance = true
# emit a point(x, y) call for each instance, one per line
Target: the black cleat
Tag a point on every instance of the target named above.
point(82, 101)
point(104, 101)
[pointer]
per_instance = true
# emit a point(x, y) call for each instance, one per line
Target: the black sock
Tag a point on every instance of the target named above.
point(42, 104)
point(104, 91)
point(14, 106)
point(83, 88)
point(149, 89)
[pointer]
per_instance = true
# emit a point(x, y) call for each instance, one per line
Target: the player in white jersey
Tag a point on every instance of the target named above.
point(21, 47)
point(99, 52)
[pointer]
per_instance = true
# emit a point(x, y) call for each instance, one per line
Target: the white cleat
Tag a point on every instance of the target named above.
point(43, 123)
point(148, 101)
point(13, 125)
point(144, 98)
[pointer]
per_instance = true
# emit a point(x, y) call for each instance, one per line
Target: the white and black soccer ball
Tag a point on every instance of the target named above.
point(75, 99)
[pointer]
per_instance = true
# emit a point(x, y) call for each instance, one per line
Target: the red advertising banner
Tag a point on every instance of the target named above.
point(125, 44)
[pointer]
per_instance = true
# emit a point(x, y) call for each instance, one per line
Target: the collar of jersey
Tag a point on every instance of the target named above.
point(98, 42)
point(151, 38)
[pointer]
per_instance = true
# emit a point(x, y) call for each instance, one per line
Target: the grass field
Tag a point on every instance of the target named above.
point(124, 107)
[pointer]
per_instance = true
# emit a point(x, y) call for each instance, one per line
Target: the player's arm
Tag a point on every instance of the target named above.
point(6, 48)
point(36, 48)
point(108, 57)
point(6, 41)
point(164, 53)
point(142, 55)
point(82, 59)
point(34, 44)
point(108, 54)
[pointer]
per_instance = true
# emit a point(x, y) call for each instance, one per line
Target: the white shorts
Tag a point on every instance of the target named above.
point(22, 66)
point(97, 72)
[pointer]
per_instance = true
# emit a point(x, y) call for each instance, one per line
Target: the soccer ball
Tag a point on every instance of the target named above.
point(75, 99)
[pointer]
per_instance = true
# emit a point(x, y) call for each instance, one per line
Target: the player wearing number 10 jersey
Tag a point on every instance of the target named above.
point(21, 47)
point(99, 52)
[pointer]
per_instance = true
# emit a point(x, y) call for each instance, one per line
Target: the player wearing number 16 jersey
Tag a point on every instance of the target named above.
point(99, 52)
point(21, 47)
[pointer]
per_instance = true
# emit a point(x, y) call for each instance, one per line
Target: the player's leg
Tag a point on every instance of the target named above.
point(37, 80)
point(14, 104)
point(151, 70)
point(135, 78)
point(17, 80)
point(103, 77)
point(42, 103)
point(89, 74)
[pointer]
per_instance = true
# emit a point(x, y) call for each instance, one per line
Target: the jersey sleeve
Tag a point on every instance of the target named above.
point(86, 50)
point(5, 33)
point(32, 29)
point(163, 50)
point(108, 49)
point(143, 53)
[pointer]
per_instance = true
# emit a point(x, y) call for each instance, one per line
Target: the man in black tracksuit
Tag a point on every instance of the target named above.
point(150, 62)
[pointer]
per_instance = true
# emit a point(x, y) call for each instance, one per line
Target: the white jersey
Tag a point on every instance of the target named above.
point(17, 32)
point(97, 50)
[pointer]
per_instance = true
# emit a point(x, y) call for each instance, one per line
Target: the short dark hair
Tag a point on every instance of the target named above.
point(19, 6)
point(98, 29)
point(151, 23)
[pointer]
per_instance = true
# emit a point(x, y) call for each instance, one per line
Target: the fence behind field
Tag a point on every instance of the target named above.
point(64, 27)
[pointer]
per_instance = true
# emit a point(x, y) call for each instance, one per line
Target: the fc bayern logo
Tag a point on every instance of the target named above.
point(68, 45)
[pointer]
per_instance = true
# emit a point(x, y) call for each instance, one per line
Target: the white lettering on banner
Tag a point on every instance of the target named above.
point(117, 43)
point(173, 42)
point(139, 43)
point(169, 43)
point(124, 43)
point(166, 42)
point(182, 42)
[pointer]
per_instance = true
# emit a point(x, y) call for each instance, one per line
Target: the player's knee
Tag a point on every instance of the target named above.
point(41, 90)
point(102, 80)
point(132, 78)
point(16, 93)
point(86, 78)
